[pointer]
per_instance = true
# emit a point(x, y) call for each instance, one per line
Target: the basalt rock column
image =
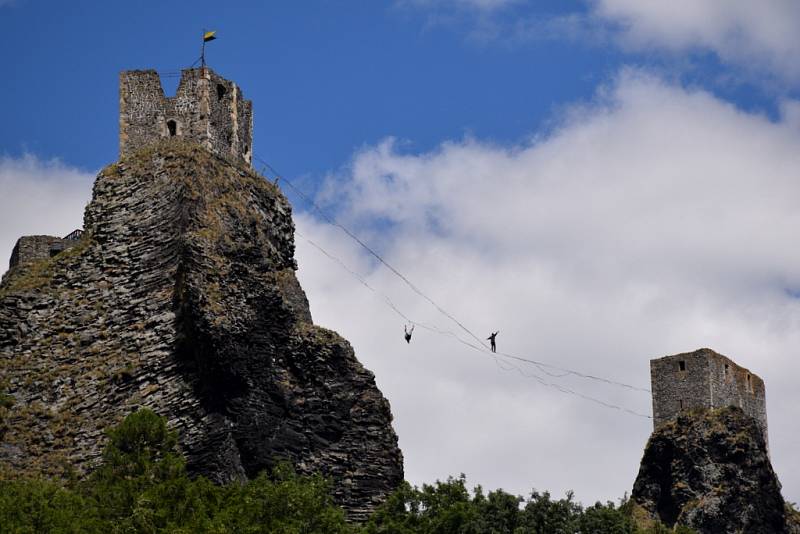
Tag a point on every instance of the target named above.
point(182, 297)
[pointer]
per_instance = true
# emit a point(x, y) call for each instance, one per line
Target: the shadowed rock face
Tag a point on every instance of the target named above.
point(709, 470)
point(182, 297)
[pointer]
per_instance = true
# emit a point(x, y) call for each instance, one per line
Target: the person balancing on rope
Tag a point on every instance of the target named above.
point(408, 332)
point(492, 341)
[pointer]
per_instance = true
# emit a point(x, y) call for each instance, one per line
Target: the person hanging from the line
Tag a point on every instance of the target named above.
point(491, 339)
point(408, 332)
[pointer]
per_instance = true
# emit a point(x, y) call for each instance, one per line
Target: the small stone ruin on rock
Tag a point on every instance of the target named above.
point(705, 379)
point(32, 248)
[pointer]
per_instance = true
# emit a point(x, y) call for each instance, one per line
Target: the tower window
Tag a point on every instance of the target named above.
point(681, 365)
point(749, 384)
point(680, 403)
point(221, 91)
point(172, 126)
point(725, 371)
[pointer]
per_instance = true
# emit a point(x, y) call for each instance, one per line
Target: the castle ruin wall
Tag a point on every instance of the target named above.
point(704, 379)
point(206, 109)
point(677, 388)
point(33, 248)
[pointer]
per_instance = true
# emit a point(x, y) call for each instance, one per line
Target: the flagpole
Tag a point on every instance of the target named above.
point(203, 51)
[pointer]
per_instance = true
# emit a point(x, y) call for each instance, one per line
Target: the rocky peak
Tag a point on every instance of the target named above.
point(181, 296)
point(710, 470)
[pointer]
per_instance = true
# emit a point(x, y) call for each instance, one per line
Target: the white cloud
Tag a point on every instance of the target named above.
point(759, 36)
point(479, 16)
point(654, 220)
point(39, 197)
point(481, 5)
point(790, 111)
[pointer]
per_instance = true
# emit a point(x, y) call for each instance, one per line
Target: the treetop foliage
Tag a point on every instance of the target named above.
point(142, 487)
point(450, 508)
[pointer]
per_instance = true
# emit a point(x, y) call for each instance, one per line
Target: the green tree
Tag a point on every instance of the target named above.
point(438, 508)
point(36, 506)
point(140, 456)
point(605, 519)
point(284, 503)
point(499, 512)
point(401, 513)
point(543, 515)
point(142, 487)
point(449, 508)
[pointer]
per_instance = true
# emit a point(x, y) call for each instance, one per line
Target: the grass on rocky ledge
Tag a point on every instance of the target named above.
point(38, 275)
point(793, 514)
point(139, 162)
point(6, 402)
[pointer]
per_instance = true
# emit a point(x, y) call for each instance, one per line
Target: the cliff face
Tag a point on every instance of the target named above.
point(710, 470)
point(182, 297)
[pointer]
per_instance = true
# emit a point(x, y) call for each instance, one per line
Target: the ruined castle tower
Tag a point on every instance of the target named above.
point(181, 296)
point(705, 379)
point(706, 465)
point(206, 109)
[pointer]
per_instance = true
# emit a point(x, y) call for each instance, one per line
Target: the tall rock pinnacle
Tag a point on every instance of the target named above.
point(709, 469)
point(181, 296)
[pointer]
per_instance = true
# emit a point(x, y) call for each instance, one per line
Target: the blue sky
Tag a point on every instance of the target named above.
point(326, 77)
point(604, 181)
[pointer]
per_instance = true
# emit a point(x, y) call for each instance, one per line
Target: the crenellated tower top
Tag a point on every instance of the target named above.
point(206, 108)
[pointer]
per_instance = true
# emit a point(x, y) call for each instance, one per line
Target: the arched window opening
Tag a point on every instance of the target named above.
point(172, 126)
point(221, 90)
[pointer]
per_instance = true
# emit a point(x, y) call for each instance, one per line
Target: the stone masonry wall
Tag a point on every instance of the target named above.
point(181, 296)
point(674, 390)
point(732, 385)
point(33, 248)
point(710, 380)
point(206, 109)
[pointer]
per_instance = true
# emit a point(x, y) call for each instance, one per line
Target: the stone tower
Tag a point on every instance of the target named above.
point(206, 108)
point(704, 379)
